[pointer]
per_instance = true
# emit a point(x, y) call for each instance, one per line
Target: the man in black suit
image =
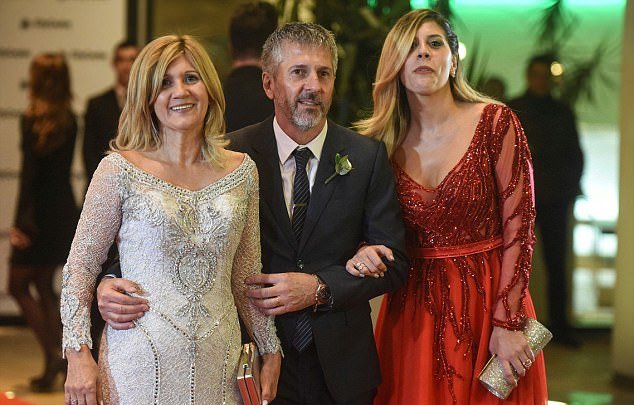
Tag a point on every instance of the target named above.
point(246, 102)
point(552, 135)
point(314, 215)
point(102, 113)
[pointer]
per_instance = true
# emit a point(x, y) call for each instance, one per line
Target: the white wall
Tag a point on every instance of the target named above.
point(86, 31)
point(623, 332)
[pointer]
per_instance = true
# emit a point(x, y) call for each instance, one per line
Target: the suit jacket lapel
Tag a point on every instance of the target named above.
point(271, 179)
point(321, 192)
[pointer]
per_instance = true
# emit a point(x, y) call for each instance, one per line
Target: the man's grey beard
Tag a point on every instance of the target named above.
point(306, 120)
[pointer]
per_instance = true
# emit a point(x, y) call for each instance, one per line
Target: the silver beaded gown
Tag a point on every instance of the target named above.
point(190, 252)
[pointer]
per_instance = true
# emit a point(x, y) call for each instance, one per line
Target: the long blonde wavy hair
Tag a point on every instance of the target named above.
point(391, 116)
point(138, 125)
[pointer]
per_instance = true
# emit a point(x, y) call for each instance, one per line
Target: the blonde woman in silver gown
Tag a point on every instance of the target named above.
point(184, 213)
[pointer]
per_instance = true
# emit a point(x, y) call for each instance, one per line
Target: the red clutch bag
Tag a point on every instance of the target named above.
point(249, 375)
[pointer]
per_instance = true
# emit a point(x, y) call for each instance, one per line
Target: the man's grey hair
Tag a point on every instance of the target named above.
point(300, 33)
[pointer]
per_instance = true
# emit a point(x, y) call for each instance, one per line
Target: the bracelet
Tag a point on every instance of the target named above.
point(322, 294)
point(515, 323)
point(316, 293)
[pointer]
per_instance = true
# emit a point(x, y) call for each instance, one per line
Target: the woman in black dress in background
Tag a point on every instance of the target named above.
point(46, 214)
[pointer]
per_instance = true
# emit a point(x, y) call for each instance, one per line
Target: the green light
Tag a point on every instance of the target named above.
point(523, 3)
point(419, 3)
point(372, 3)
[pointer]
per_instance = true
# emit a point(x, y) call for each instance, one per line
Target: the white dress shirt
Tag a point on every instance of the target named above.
point(285, 148)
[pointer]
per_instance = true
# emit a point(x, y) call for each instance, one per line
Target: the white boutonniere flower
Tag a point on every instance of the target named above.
point(342, 167)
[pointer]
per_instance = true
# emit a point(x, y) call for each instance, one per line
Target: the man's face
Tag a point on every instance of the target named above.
point(539, 78)
point(122, 63)
point(301, 87)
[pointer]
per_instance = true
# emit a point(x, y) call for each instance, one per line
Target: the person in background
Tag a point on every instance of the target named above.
point(247, 104)
point(46, 213)
point(102, 113)
point(495, 88)
point(552, 135)
point(464, 180)
point(184, 213)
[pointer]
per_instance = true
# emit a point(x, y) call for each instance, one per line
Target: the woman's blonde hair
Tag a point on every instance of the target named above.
point(391, 116)
point(138, 125)
point(49, 101)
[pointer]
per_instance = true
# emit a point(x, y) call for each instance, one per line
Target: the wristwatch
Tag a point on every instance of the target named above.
point(322, 294)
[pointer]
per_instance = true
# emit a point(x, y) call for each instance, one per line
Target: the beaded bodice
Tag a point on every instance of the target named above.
point(488, 194)
point(463, 208)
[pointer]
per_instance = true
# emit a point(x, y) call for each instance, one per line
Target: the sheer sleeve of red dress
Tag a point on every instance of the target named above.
point(514, 179)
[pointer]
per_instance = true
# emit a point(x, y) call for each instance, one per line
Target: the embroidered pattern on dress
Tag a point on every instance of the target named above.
point(190, 251)
point(465, 208)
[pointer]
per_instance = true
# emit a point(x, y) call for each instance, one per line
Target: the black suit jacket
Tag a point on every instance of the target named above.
point(358, 207)
point(551, 132)
point(246, 101)
point(100, 126)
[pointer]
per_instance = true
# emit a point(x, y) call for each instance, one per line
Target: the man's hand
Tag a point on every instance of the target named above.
point(368, 261)
point(116, 306)
point(283, 292)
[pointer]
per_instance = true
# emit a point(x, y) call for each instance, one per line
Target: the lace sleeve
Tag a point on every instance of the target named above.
point(247, 262)
point(99, 222)
point(514, 175)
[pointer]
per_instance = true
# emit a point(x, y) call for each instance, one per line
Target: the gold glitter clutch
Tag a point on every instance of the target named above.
point(492, 375)
point(249, 375)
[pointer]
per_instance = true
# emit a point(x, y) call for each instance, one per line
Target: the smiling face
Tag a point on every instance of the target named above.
point(430, 61)
point(183, 100)
point(301, 87)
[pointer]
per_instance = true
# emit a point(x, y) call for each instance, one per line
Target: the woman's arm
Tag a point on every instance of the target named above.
point(99, 222)
point(247, 262)
point(514, 177)
point(25, 227)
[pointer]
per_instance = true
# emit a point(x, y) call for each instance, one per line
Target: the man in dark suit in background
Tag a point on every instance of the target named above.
point(551, 131)
point(315, 213)
point(246, 102)
point(102, 113)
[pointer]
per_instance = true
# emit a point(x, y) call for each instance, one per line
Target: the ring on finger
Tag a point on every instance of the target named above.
point(74, 402)
point(527, 363)
point(359, 265)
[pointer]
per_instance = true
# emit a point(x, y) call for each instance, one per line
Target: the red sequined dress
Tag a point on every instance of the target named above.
point(470, 242)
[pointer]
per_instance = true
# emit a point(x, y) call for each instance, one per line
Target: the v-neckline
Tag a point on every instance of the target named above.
point(455, 166)
point(175, 187)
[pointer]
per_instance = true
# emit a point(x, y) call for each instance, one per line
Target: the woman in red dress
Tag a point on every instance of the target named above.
point(464, 179)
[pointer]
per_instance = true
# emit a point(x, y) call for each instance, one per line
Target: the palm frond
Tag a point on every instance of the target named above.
point(554, 18)
point(578, 81)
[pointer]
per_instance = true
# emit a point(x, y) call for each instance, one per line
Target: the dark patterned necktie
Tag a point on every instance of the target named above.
point(301, 198)
point(301, 191)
